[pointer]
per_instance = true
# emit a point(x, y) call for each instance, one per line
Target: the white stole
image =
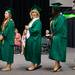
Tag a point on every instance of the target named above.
point(30, 25)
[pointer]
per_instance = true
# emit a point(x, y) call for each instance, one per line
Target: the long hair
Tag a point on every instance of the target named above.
point(5, 23)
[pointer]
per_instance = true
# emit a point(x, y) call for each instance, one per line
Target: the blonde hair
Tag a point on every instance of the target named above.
point(36, 11)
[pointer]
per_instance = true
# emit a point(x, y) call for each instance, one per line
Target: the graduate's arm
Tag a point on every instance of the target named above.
point(36, 28)
point(7, 30)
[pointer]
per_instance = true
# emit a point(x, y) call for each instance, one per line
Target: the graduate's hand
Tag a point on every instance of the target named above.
point(26, 27)
point(1, 37)
point(51, 35)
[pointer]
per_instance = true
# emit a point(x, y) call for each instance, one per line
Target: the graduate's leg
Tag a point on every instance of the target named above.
point(10, 59)
point(9, 64)
point(35, 63)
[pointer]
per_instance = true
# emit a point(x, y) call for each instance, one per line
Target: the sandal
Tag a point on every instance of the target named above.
point(57, 70)
point(33, 68)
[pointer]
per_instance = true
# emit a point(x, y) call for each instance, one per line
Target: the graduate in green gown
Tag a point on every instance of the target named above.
point(32, 51)
point(58, 27)
point(7, 37)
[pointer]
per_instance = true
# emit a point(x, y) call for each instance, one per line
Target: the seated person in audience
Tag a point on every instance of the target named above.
point(47, 34)
point(45, 43)
point(17, 48)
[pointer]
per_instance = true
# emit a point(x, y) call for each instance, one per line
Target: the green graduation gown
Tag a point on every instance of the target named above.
point(59, 40)
point(7, 50)
point(32, 51)
point(0, 46)
point(0, 51)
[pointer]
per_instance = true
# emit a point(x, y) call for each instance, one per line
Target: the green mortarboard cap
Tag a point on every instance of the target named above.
point(56, 6)
point(36, 7)
point(9, 10)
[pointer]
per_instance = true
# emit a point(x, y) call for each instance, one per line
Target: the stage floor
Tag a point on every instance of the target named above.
point(20, 64)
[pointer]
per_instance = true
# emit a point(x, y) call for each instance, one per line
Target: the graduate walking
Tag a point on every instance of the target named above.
point(58, 27)
point(7, 38)
point(32, 51)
